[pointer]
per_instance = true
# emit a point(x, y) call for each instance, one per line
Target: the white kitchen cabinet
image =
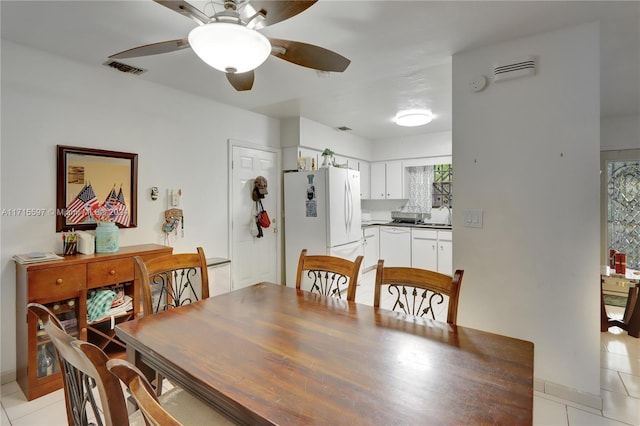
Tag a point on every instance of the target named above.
point(365, 179)
point(432, 249)
point(378, 181)
point(394, 179)
point(445, 252)
point(395, 245)
point(386, 180)
point(371, 235)
point(424, 249)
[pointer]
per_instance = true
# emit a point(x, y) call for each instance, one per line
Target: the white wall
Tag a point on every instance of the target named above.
point(526, 151)
point(424, 145)
point(622, 132)
point(300, 131)
point(181, 141)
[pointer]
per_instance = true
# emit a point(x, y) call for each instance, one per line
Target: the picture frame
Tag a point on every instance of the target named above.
point(87, 180)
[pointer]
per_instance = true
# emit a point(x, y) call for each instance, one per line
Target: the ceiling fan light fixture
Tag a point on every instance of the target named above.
point(413, 118)
point(229, 47)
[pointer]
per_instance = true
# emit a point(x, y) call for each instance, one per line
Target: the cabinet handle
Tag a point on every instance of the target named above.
point(59, 281)
point(112, 272)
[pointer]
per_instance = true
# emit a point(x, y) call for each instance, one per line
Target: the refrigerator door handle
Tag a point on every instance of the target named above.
point(350, 200)
point(346, 206)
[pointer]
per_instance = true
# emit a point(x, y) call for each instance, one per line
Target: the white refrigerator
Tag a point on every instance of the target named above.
point(322, 214)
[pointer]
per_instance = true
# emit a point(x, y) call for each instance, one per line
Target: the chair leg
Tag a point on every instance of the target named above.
point(159, 380)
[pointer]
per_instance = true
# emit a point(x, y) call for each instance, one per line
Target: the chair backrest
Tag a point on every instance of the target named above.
point(329, 275)
point(84, 367)
point(404, 284)
point(170, 281)
point(142, 392)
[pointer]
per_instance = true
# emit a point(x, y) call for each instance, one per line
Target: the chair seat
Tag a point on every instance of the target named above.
point(186, 408)
point(189, 410)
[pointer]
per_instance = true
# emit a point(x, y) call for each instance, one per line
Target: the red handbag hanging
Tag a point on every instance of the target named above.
point(263, 216)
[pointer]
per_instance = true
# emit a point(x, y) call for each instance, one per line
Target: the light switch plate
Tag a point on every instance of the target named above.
point(473, 218)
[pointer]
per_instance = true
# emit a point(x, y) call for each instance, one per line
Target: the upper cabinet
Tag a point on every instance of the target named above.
point(365, 180)
point(386, 180)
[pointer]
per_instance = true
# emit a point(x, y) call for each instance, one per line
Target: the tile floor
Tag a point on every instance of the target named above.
point(619, 372)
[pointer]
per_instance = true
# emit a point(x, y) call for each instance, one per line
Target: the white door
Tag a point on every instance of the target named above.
point(253, 259)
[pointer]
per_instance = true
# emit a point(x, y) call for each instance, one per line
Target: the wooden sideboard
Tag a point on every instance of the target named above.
point(64, 286)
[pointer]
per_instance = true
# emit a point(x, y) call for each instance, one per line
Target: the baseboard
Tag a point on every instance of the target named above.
point(8, 377)
point(574, 395)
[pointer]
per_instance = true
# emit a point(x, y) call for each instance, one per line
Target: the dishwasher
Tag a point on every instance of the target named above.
point(395, 245)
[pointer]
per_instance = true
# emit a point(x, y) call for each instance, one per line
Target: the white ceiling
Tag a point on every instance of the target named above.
point(400, 52)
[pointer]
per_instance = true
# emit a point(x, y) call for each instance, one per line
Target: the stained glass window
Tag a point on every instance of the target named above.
point(623, 210)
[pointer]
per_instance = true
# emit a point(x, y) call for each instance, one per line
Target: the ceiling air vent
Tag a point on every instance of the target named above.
point(124, 67)
point(518, 68)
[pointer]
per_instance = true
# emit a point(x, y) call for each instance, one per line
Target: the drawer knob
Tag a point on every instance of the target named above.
point(112, 272)
point(59, 281)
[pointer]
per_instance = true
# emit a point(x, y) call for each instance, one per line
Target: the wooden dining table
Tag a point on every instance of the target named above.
point(270, 354)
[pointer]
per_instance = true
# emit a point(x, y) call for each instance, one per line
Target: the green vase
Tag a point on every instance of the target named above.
point(107, 237)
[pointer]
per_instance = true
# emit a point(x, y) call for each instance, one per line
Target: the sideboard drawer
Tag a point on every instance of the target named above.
point(109, 272)
point(52, 281)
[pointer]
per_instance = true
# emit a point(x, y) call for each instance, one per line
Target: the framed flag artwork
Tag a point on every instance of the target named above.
point(94, 186)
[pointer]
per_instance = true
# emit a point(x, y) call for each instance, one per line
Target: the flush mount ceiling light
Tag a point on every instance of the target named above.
point(413, 118)
point(229, 47)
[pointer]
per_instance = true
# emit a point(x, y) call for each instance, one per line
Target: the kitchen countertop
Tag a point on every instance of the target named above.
point(405, 225)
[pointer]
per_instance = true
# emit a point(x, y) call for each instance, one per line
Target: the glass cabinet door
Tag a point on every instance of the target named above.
point(46, 357)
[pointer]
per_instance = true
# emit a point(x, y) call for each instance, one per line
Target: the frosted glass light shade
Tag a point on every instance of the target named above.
point(229, 47)
point(413, 118)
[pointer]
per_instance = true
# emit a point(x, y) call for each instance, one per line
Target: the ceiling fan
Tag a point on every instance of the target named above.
point(230, 41)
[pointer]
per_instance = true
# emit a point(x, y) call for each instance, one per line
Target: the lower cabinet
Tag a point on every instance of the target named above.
point(371, 236)
point(219, 271)
point(445, 252)
point(424, 249)
point(432, 249)
point(65, 286)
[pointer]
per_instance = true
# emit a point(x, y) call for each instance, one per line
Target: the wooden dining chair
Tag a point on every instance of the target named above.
point(416, 291)
point(84, 370)
point(154, 413)
point(173, 280)
point(329, 275)
point(167, 282)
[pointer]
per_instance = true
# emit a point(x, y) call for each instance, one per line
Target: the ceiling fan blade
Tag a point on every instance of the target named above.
point(153, 49)
point(186, 9)
point(277, 10)
point(241, 81)
point(308, 55)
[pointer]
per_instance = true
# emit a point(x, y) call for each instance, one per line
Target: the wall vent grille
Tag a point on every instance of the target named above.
point(128, 69)
point(518, 68)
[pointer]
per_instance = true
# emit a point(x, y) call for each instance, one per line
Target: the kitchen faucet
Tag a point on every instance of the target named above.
point(448, 212)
